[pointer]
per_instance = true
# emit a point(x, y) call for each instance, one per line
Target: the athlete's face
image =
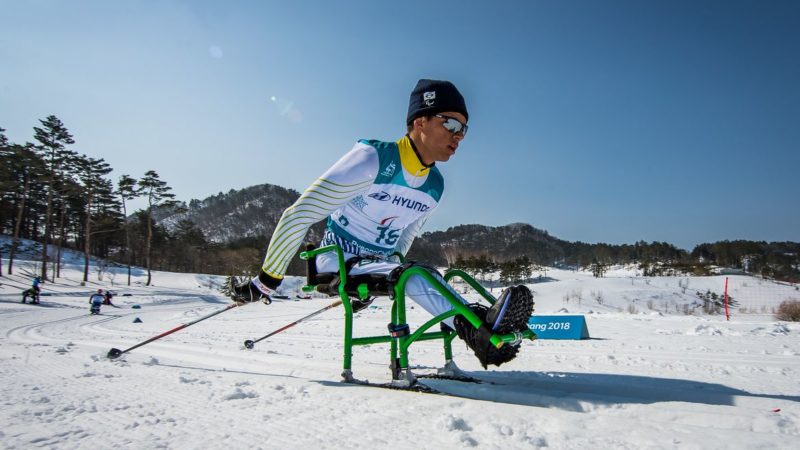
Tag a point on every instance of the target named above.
point(436, 143)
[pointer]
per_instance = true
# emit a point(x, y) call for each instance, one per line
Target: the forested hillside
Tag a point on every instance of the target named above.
point(52, 193)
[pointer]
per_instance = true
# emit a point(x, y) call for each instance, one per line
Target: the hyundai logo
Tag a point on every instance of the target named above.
point(380, 196)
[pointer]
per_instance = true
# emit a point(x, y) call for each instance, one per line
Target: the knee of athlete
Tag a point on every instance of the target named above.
point(417, 285)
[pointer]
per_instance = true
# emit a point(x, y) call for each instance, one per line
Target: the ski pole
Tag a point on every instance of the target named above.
point(116, 353)
point(250, 343)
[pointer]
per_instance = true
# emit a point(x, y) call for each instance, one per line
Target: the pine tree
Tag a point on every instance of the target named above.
point(67, 194)
point(90, 174)
point(52, 137)
point(3, 177)
point(127, 190)
point(27, 185)
point(158, 195)
point(108, 219)
point(525, 267)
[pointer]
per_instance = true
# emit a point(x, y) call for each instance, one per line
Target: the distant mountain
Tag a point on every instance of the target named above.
point(251, 212)
point(502, 243)
point(251, 215)
point(247, 218)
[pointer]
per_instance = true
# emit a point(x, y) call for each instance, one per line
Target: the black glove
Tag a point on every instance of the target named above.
point(257, 289)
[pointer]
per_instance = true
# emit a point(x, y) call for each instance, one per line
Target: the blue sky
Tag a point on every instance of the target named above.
point(599, 121)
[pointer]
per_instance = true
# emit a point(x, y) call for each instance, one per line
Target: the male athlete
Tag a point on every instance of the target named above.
point(376, 199)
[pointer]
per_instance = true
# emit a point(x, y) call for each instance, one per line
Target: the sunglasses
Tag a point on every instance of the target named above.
point(453, 125)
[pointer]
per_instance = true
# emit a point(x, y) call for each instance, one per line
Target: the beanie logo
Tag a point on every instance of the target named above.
point(429, 98)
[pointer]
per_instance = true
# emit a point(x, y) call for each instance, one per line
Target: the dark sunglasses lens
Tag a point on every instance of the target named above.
point(454, 126)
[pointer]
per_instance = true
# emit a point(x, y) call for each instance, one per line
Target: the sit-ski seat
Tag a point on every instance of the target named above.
point(360, 286)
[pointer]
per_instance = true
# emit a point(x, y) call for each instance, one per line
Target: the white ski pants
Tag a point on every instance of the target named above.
point(417, 288)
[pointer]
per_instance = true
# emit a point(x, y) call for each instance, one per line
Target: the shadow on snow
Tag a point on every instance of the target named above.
point(582, 391)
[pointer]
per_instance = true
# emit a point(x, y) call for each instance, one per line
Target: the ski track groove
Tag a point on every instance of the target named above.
point(143, 413)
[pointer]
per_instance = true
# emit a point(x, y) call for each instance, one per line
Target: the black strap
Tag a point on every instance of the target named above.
point(348, 266)
point(350, 263)
point(394, 275)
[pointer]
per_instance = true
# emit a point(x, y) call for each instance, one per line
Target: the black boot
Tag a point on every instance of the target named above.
point(509, 314)
point(511, 311)
point(479, 342)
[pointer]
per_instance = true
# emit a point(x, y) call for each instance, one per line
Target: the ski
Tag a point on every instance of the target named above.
point(451, 371)
point(418, 386)
point(461, 378)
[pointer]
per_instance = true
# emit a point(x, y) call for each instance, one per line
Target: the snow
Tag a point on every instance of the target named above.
point(649, 378)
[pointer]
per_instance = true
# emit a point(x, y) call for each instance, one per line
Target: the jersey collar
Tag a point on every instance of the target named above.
point(409, 156)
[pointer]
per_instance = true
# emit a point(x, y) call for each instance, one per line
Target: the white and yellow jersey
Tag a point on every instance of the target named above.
point(376, 199)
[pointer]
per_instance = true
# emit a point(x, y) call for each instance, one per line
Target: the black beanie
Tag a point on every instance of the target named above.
point(430, 97)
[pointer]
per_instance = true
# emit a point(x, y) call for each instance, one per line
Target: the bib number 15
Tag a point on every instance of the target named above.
point(387, 236)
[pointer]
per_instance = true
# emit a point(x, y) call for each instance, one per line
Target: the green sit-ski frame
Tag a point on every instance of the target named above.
point(401, 375)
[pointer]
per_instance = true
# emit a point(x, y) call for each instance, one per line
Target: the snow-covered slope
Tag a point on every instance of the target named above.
point(654, 378)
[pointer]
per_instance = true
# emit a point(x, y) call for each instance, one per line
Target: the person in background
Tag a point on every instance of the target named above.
point(33, 292)
point(96, 300)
